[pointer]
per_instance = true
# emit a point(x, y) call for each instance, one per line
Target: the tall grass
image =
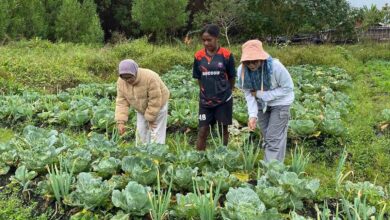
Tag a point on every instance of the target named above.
point(55, 66)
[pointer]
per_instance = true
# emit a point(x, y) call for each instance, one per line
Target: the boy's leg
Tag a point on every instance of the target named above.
point(224, 115)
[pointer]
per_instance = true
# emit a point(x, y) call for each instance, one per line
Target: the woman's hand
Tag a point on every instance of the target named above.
point(152, 125)
point(252, 123)
point(121, 128)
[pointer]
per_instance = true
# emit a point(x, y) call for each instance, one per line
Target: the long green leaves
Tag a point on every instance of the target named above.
point(250, 154)
point(159, 200)
point(207, 203)
point(299, 160)
point(340, 176)
point(60, 180)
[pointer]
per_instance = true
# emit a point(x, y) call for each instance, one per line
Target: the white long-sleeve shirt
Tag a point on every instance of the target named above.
point(280, 93)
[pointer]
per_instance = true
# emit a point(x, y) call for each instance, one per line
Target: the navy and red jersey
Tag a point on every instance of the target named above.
point(214, 73)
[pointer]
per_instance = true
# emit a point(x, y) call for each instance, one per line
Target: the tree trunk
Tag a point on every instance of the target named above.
point(226, 35)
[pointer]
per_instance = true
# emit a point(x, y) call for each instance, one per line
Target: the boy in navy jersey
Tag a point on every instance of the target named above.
point(215, 71)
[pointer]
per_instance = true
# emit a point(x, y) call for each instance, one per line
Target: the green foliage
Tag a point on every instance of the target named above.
point(319, 104)
point(4, 21)
point(106, 167)
point(159, 17)
point(290, 17)
point(281, 189)
point(160, 59)
point(38, 147)
point(360, 209)
point(220, 177)
point(90, 192)
point(385, 115)
point(103, 118)
point(228, 14)
point(299, 160)
point(26, 19)
point(374, 195)
point(372, 15)
point(60, 180)
point(100, 145)
point(12, 207)
point(77, 159)
point(302, 127)
point(223, 157)
point(78, 23)
point(133, 199)
point(207, 202)
point(142, 170)
point(181, 176)
point(186, 206)
point(24, 177)
point(117, 18)
point(250, 154)
point(59, 66)
point(160, 201)
point(243, 203)
point(52, 8)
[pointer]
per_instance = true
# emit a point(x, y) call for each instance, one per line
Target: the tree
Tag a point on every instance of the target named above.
point(386, 13)
point(78, 23)
point(91, 24)
point(274, 18)
point(160, 16)
point(372, 16)
point(265, 18)
point(4, 21)
point(115, 16)
point(227, 14)
point(52, 8)
point(26, 19)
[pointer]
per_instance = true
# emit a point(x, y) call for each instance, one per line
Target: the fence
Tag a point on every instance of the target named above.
point(378, 33)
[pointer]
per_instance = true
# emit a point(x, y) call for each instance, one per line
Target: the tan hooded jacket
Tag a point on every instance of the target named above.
point(148, 94)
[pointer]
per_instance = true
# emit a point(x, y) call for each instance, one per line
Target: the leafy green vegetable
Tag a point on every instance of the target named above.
point(23, 177)
point(103, 118)
point(133, 199)
point(221, 177)
point(373, 193)
point(182, 177)
point(106, 167)
point(100, 145)
point(242, 204)
point(223, 157)
point(186, 206)
point(302, 127)
point(91, 192)
point(37, 148)
point(78, 159)
point(281, 189)
point(141, 170)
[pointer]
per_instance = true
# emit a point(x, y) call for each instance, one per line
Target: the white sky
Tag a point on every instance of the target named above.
point(361, 3)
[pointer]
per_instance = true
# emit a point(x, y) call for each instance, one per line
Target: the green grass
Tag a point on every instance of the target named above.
point(42, 65)
point(13, 207)
point(5, 134)
point(370, 156)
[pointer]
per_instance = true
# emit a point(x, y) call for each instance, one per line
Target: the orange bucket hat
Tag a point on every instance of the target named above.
point(253, 50)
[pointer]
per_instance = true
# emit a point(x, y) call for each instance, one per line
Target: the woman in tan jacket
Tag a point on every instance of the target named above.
point(143, 90)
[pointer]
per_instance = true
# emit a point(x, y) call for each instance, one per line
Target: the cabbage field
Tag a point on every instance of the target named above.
point(66, 156)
